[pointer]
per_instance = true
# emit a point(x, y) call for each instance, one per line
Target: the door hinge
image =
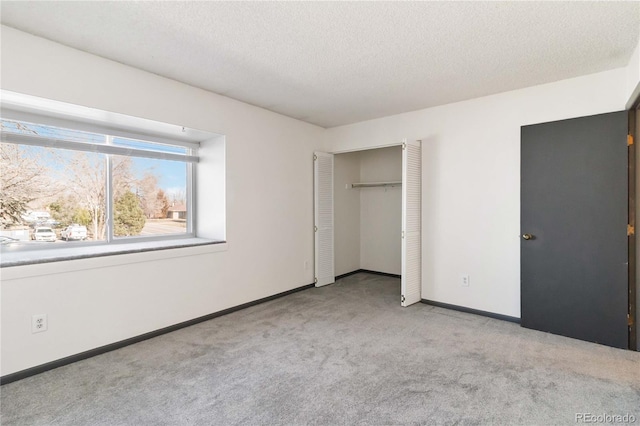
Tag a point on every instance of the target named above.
point(315, 229)
point(315, 157)
point(402, 299)
point(315, 280)
point(631, 230)
point(629, 320)
point(402, 235)
point(404, 145)
point(629, 140)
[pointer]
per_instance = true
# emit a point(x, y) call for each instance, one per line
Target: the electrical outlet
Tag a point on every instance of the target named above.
point(39, 323)
point(464, 280)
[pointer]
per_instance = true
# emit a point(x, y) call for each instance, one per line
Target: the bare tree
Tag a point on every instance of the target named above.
point(148, 191)
point(163, 202)
point(123, 179)
point(24, 177)
point(177, 195)
point(87, 180)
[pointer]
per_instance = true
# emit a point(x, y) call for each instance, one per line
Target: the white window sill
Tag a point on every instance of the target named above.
point(152, 250)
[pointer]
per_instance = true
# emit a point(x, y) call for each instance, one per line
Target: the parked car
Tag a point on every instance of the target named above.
point(74, 232)
point(42, 233)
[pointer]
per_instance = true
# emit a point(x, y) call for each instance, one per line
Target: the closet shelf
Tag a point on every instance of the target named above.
point(375, 184)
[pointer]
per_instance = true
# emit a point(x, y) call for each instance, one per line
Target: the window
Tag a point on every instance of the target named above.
point(61, 186)
point(80, 182)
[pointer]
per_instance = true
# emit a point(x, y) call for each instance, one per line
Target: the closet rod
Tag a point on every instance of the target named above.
point(375, 184)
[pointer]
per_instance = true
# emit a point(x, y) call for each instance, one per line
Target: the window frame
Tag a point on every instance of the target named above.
point(190, 161)
point(190, 203)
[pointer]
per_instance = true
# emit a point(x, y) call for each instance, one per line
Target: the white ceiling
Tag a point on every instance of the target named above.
point(334, 63)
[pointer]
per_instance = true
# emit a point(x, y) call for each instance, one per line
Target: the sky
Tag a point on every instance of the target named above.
point(171, 175)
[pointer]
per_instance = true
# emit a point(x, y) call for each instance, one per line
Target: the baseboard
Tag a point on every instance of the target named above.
point(357, 271)
point(385, 274)
point(471, 311)
point(23, 374)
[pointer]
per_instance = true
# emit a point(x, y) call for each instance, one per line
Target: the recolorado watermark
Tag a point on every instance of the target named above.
point(605, 418)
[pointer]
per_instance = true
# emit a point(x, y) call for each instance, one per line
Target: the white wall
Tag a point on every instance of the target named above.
point(471, 180)
point(368, 221)
point(381, 211)
point(94, 302)
point(346, 213)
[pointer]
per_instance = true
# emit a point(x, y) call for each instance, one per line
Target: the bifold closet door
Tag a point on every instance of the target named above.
point(411, 280)
point(323, 218)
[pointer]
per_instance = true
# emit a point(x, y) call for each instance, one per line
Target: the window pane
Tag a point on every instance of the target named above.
point(24, 128)
point(149, 197)
point(45, 191)
point(149, 146)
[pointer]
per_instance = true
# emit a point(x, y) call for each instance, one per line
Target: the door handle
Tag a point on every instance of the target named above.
point(527, 236)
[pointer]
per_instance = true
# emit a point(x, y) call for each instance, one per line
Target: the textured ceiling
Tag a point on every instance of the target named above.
point(333, 63)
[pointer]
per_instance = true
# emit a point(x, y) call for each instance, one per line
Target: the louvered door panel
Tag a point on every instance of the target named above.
point(411, 223)
point(323, 218)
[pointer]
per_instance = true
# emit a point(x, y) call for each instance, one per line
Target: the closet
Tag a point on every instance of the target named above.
point(367, 214)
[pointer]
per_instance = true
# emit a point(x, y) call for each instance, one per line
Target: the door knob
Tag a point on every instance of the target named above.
point(527, 236)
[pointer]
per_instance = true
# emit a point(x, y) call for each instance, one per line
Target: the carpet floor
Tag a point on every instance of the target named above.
point(345, 354)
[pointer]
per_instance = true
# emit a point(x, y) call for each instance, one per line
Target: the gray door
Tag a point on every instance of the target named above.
point(574, 228)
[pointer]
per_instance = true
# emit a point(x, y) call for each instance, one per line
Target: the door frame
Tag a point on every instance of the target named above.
point(632, 251)
point(368, 148)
